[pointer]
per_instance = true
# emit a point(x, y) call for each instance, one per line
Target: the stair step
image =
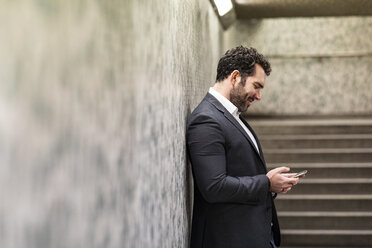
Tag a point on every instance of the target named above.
point(338, 246)
point(316, 141)
point(330, 170)
point(368, 246)
point(325, 220)
point(327, 232)
point(318, 155)
point(309, 126)
point(353, 121)
point(333, 186)
point(324, 202)
point(322, 238)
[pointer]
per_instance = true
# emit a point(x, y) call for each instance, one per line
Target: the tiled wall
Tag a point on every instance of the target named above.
point(94, 97)
point(320, 65)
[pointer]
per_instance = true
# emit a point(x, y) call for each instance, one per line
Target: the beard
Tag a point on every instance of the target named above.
point(240, 98)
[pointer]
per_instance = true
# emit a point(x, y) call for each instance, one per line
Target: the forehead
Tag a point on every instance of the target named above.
point(259, 71)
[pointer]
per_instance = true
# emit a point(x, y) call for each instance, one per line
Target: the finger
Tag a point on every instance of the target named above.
point(280, 170)
point(285, 190)
point(289, 185)
point(288, 174)
point(292, 181)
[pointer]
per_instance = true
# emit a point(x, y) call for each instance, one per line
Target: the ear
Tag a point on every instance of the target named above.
point(235, 77)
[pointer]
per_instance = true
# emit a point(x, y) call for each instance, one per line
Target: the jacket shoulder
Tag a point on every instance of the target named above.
point(204, 111)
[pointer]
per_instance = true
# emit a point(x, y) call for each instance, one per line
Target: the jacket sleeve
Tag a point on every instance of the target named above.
point(206, 147)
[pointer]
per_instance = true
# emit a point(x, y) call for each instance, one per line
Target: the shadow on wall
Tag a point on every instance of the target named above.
point(189, 182)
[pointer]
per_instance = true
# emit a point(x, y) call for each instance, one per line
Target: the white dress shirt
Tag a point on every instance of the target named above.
point(234, 112)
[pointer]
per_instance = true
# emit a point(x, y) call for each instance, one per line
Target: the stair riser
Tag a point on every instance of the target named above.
point(328, 223)
point(364, 246)
point(316, 129)
point(332, 188)
point(333, 172)
point(317, 158)
point(322, 205)
point(327, 240)
point(287, 144)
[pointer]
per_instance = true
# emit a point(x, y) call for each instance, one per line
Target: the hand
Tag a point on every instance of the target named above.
point(292, 175)
point(281, 183)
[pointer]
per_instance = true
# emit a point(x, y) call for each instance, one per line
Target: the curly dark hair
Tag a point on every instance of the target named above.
point(242, 59)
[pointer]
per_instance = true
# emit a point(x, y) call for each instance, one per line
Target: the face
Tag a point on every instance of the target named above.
point(243, 96)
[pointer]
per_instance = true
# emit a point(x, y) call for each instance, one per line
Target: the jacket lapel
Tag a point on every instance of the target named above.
point(231, 118)
point(255, 136)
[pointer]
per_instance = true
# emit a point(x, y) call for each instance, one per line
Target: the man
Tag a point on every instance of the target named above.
point(233, 196)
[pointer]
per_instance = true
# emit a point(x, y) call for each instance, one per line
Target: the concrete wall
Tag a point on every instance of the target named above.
point(94, 96)
point(320, 65)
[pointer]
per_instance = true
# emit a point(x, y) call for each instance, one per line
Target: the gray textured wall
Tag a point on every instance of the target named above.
point(320, 65)
point(94, 96)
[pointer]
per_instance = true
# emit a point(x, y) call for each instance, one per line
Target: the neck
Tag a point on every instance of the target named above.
point(220, 88)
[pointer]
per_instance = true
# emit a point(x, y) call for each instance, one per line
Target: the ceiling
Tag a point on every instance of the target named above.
point(249, 9)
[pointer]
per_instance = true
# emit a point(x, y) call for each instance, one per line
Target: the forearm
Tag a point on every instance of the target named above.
point(245, 190)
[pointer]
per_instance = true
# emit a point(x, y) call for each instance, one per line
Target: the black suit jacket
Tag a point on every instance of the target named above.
point(233, 206)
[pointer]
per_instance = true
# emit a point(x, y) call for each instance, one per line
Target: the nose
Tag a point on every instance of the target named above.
point(258, 95)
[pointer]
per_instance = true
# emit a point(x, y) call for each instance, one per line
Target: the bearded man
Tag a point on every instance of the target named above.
point(233, 191)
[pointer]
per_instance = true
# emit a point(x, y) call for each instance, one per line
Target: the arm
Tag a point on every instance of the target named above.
point(206, 144)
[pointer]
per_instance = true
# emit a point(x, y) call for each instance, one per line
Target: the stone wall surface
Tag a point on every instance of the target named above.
point(94, 97)
point(320, 65)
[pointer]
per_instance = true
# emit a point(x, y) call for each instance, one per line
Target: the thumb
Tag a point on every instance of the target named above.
point(276, 171)
point(281, 169)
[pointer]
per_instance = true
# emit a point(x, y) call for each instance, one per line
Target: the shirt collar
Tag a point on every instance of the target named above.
point(225, 102)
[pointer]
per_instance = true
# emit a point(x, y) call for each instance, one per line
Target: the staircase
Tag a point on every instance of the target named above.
point(332, 206)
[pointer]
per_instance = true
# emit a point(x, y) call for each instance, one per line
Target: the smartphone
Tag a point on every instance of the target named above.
point(300, 173)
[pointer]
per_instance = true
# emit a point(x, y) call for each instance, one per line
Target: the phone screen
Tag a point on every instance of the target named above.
point(300, 173)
